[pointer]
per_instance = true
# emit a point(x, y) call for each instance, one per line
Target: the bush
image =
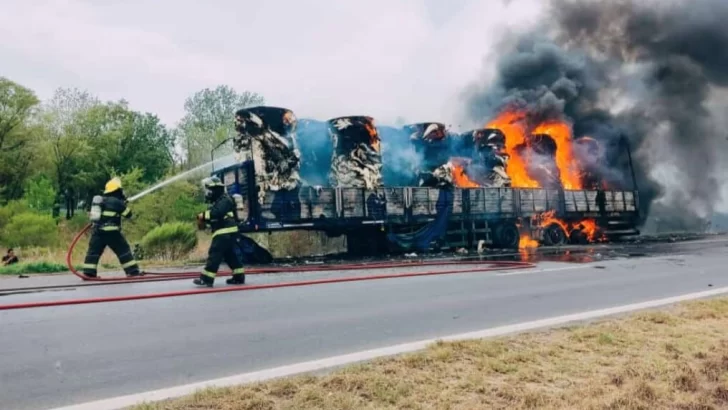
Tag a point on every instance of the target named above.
point(30, 229)
point(40, 194)
point(171, 241)
point(11, 209)
point(177, 202)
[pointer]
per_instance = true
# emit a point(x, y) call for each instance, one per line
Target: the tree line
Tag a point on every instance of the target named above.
point(58, 153)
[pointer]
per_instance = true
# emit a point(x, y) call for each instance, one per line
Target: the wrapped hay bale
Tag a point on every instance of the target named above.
point(269, 135)
point(431, 142)
point(492, 159)
point(357, 159)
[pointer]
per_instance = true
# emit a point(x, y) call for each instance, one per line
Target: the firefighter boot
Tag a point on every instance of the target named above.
point(236, 279)
point(204, 280)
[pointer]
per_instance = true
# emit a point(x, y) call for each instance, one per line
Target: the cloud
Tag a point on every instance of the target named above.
point(409, 58)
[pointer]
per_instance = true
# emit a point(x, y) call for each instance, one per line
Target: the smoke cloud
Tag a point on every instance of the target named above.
point(646, 70)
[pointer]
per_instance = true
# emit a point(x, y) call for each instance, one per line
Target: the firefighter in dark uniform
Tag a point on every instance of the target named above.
point(106, 213)
point(223, 223)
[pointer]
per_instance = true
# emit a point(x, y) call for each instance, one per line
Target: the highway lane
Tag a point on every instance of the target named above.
point(65, 355)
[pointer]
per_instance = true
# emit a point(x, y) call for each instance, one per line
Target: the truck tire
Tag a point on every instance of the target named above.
point(506, 236)
point(578, 237)
point(554, 235)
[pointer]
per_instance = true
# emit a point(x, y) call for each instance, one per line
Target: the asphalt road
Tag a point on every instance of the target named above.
point(64, 355)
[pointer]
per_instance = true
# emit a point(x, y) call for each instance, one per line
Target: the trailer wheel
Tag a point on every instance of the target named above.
point(554, 235)
point(507, 236)
point(578, 237)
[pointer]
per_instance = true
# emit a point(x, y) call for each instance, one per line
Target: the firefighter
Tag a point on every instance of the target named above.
point(221, 219)
point(106, 213)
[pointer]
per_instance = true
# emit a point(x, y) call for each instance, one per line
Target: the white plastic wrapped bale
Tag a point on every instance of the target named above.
point(268, 134)
point(490, 169)
point(357, 160)
point(431, 143)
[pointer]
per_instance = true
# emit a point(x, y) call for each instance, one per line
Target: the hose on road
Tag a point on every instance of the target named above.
point(487, 266)
point(490, 266)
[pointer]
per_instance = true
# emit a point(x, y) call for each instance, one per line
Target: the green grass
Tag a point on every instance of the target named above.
point(33, 267)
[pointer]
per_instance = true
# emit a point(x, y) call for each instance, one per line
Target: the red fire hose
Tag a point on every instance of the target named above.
point(489, 266)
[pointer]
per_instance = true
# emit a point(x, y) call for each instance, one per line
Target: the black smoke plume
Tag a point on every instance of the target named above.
point(645, 70)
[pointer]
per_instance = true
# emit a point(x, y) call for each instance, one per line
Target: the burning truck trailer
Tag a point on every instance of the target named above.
point(494, 208)
point(562, 186)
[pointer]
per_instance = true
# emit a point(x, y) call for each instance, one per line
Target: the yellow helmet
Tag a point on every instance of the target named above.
point(113, 185)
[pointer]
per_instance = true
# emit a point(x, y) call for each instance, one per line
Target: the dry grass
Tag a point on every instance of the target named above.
point(282, 244)
point(671, 359)
point(295, 244)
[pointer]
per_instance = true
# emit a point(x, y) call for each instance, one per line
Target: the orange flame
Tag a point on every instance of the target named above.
point(565, 161)
point(548, 218)
point(374, 139)
point(525, 244)
point(514, 126)
point(510, 122)
point(459, 177)
point(587, 226)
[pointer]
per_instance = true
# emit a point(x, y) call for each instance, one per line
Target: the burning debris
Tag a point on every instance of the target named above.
point(357, 159)
point(269, 134)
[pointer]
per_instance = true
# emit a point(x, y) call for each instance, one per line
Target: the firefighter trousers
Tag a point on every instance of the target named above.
point(222, 249)
point(115, 240)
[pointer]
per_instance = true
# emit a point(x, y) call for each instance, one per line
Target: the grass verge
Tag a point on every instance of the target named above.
point(676, 358)
point(33, 267)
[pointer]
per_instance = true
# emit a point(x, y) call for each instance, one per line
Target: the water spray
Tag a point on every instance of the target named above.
point(179, 177)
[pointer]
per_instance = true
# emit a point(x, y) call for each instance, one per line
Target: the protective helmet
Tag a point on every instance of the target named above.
point(114, 184)
point(213, 187)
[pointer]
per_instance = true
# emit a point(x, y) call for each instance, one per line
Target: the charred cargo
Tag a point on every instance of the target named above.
point(450, 213)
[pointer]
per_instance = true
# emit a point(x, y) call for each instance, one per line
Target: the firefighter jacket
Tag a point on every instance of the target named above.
point(221, 216)
point(112, 210)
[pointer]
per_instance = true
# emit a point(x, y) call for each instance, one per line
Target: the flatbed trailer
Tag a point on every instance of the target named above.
point(419, 218)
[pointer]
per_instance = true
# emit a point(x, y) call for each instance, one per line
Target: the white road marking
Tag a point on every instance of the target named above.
point(534, 270)
point(322, 364)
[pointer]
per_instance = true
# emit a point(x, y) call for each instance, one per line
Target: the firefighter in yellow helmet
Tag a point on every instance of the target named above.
point(106, 213)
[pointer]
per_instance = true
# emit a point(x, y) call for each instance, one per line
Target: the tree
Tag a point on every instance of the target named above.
point(89, 141)
point(67, 145)
point(208, 120)
point(148, 145)
point(17, 105)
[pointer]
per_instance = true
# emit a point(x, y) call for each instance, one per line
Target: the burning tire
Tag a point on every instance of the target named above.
point(578, 237)
point(554, 235)
point(506, 236)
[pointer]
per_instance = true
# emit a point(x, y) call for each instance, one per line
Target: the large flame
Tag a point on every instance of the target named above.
point(516, 129)
point(511, 123)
